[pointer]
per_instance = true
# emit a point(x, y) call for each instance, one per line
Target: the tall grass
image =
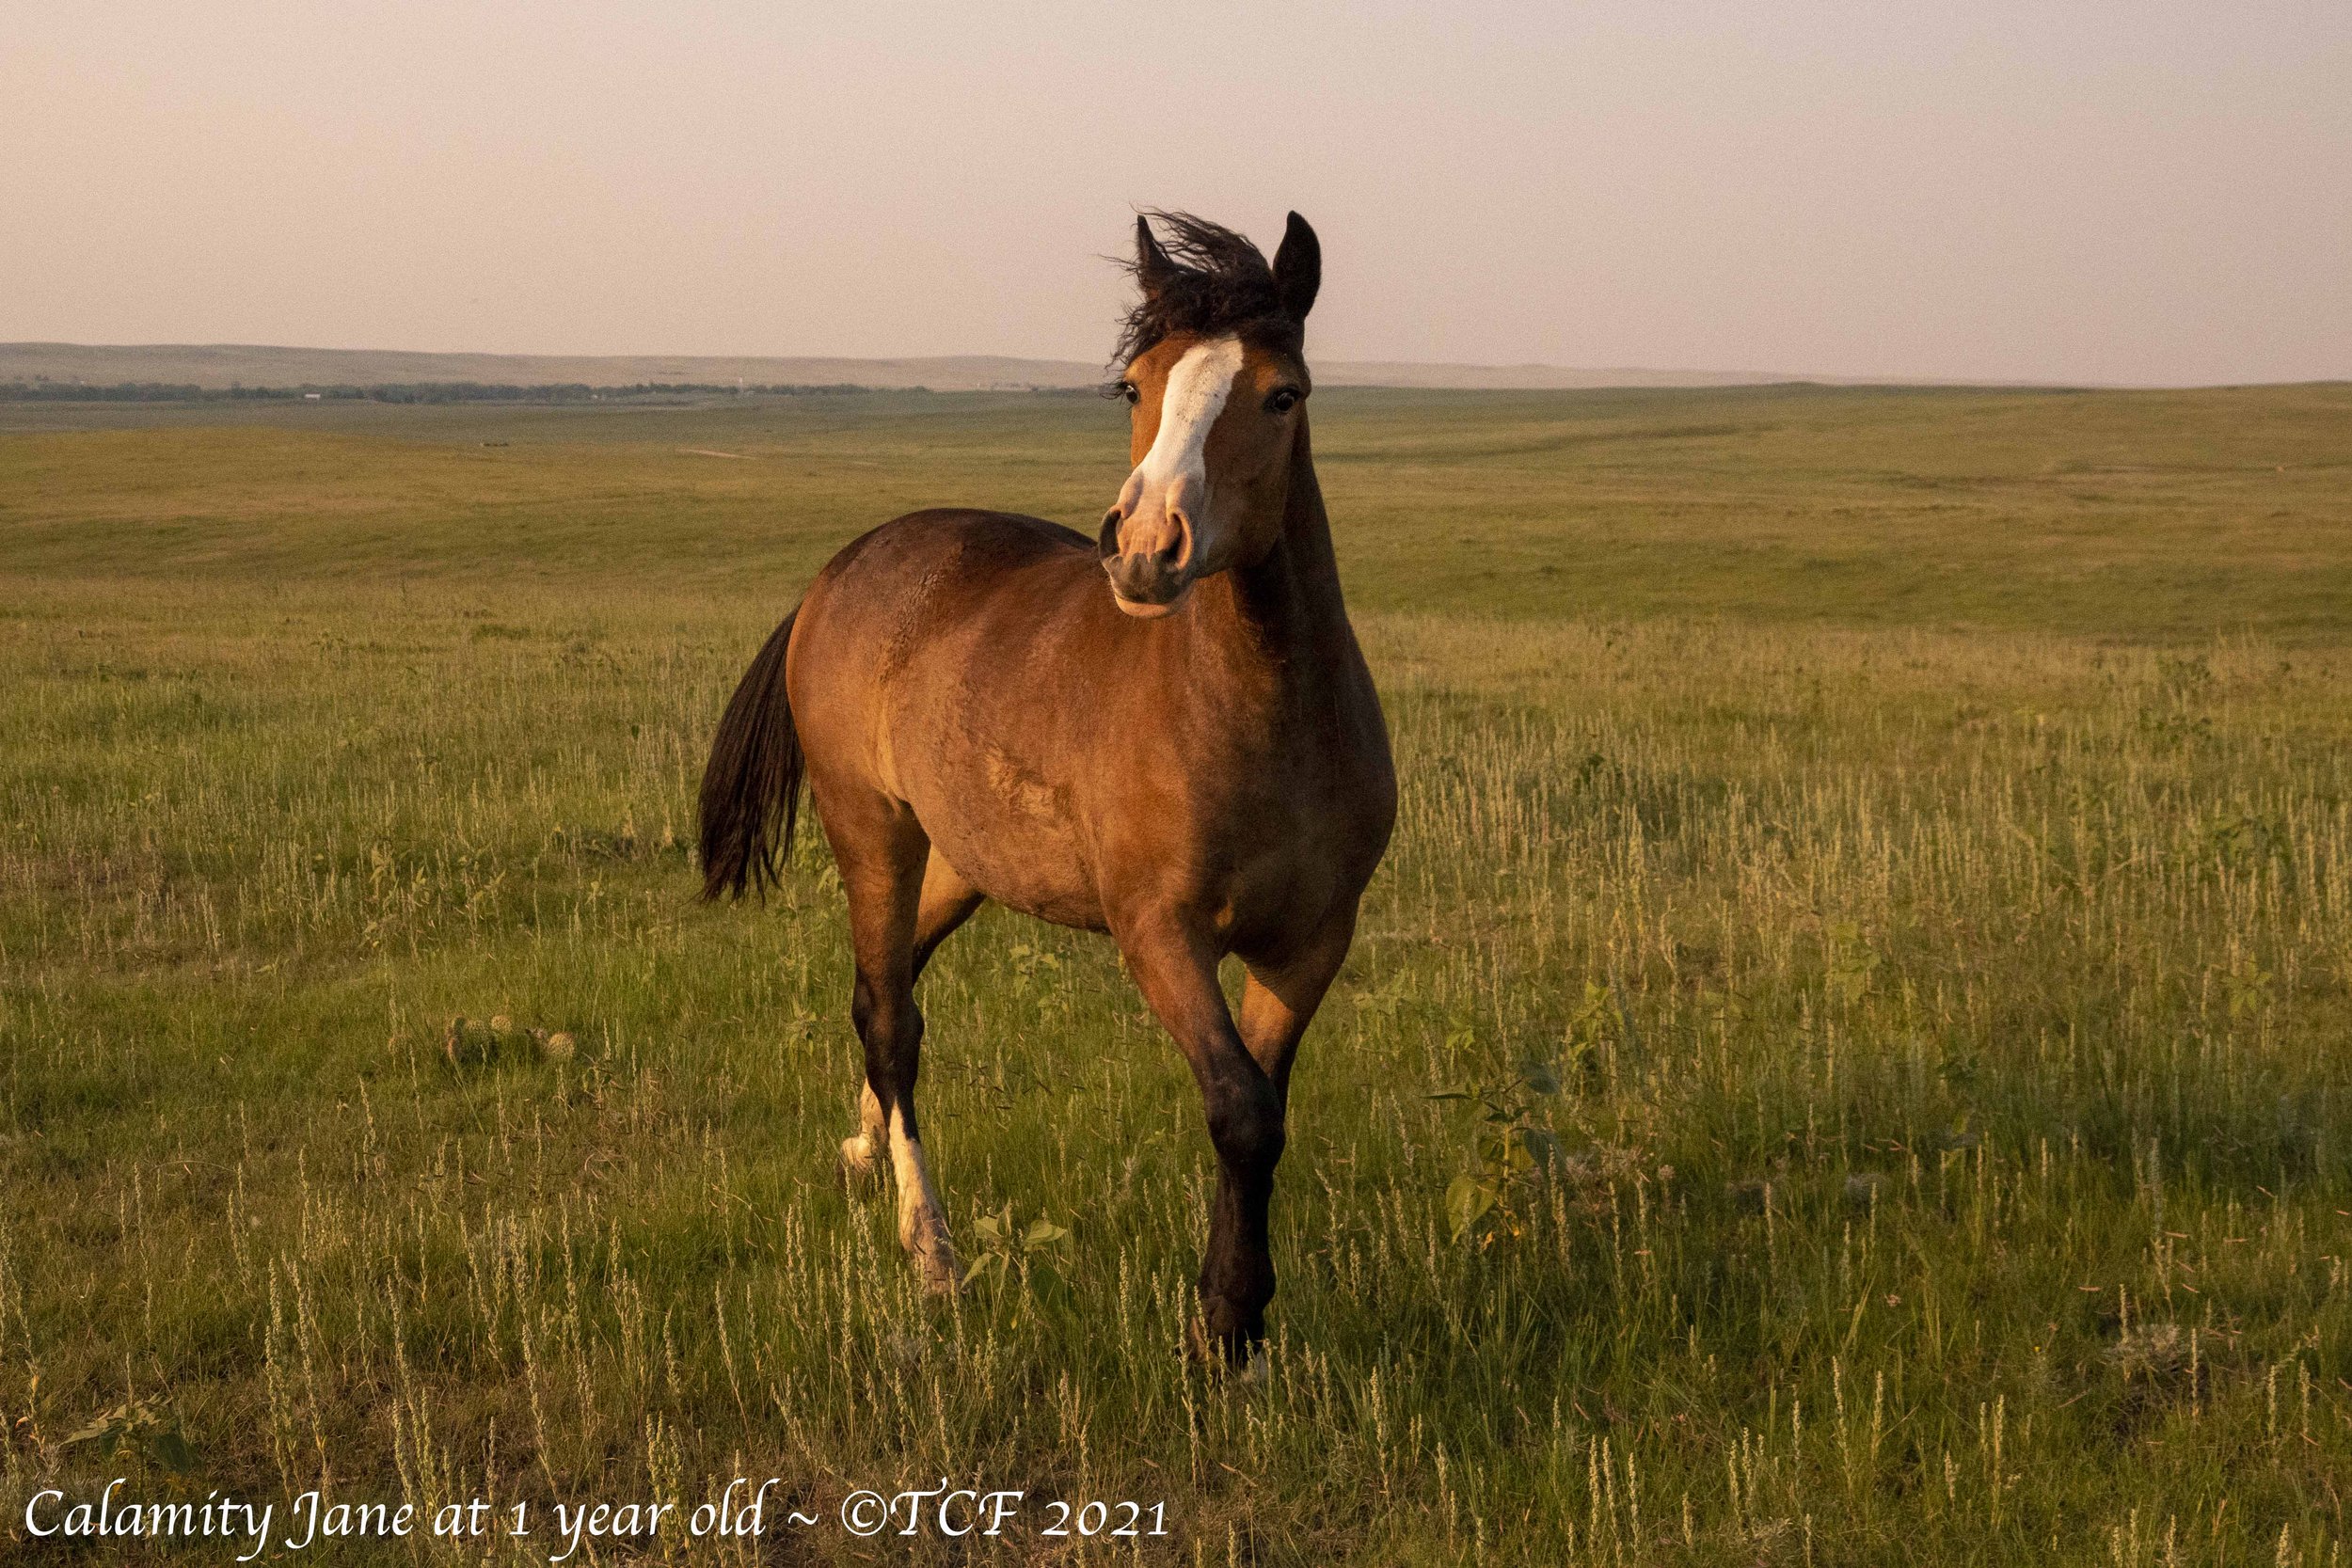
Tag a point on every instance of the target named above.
point(1950, 1028)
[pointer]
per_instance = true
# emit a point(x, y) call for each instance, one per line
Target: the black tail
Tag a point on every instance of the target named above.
point(753, 778)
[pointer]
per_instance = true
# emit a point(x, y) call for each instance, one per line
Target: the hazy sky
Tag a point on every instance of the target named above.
point(2063, 189)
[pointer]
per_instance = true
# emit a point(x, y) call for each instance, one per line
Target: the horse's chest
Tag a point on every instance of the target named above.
point(1304, 836)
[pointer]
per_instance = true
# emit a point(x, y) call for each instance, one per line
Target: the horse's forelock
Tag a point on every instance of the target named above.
point(1205, 280)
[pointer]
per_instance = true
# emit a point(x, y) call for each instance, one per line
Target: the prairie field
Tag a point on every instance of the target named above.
point(1848, 1060)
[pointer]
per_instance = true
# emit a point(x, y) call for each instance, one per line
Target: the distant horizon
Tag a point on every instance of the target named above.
point(1054, 372)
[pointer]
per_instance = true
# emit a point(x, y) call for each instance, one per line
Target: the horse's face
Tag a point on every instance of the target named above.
point(1215, 420)
point(1218, 389)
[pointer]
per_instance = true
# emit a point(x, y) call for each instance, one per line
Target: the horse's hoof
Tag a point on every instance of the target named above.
point(1235, 1350)
point(1226, 1335)
point(924, 1234)
point(939, 1272)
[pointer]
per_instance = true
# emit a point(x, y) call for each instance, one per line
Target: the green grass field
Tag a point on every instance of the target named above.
point(1915, 828)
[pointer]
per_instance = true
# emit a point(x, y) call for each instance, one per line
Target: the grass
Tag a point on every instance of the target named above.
point(1913, 826)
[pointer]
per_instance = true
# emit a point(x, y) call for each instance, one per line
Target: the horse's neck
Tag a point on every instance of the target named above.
point(1285, 614)
point(1313, 568)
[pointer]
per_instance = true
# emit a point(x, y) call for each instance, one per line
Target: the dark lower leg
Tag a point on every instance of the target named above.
point(1237, 1270)
point(1248, 1117)
point(1176, 972)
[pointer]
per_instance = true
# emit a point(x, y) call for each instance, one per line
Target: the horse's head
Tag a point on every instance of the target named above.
point(1214, 368)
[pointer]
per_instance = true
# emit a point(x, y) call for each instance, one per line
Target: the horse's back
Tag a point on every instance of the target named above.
point(968, 541)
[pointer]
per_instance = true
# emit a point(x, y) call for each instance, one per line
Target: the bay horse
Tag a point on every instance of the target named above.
point(1167, 733)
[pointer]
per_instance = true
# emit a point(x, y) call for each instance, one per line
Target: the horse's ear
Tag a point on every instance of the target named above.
point(1299, 268)
point(1153, 267)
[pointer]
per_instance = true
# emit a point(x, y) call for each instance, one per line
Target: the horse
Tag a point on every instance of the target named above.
point(1167, 733)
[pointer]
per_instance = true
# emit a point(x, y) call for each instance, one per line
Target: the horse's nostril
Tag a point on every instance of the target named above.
point(1107, 543)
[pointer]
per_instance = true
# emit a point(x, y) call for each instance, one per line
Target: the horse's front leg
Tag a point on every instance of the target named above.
point(1280, 992)
point(1175, 964)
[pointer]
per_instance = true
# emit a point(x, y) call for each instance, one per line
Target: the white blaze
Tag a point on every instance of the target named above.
point(1197, 389)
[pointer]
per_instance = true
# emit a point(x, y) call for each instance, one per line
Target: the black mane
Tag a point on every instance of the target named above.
point(1209, 282)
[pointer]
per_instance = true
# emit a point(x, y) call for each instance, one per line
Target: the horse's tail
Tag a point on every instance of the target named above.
point(752, 778)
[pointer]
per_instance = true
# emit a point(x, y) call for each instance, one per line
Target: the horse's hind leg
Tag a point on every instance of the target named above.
point(881, 851)
point(948, 902)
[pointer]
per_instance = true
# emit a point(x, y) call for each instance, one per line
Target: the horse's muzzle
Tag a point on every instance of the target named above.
point(1147, 583)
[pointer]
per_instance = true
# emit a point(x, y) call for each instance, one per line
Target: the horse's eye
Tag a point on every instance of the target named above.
point(1283, 401)
point(1127, 390)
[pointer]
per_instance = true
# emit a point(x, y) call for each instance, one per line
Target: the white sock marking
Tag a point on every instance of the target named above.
point(858, 1151)
point(922, 1223)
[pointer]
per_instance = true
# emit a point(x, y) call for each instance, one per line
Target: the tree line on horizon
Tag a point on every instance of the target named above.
point(43, 390)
